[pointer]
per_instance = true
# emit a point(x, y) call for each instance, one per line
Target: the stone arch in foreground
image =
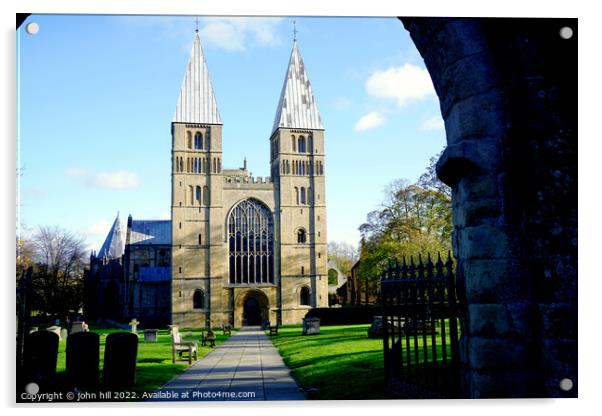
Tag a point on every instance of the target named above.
point(508, 94)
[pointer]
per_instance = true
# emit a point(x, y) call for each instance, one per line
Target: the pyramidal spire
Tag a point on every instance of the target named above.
point(196, 103)
point(114, 245)
point(297, 107)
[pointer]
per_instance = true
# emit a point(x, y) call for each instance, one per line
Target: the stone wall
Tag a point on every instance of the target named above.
point(507, 90)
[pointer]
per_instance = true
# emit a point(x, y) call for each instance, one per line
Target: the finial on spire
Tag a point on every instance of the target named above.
point(196, 20)
point(294, 30)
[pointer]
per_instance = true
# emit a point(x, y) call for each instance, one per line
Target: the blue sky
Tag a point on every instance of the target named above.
point(96, 96)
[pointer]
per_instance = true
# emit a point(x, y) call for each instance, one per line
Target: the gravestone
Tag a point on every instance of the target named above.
point(171, 328)
point(150, 335)
point(134, 326)
point(377, 328)
point(311, 326)
point(82, 360)
point(119, 370)
point(40, 356)
point(64, 333)
point(33, 329)
point(55, 329)
point(77, 326)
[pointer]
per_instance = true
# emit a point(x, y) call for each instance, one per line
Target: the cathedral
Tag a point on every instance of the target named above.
point(238, 249)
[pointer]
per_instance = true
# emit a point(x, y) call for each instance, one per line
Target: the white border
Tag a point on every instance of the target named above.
point(589, 132)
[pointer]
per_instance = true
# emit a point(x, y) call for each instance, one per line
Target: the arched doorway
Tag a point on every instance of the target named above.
point(251, 313)
point(251, 308)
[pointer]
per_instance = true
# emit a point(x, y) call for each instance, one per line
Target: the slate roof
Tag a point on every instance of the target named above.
point(297, 107)
point(196, 102)
point(150, 232)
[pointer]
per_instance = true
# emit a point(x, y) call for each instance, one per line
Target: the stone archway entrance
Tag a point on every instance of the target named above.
point(508, 92)
point(251, 312)
point(251, 308)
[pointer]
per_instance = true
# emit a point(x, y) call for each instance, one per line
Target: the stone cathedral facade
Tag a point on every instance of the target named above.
point(243, 249)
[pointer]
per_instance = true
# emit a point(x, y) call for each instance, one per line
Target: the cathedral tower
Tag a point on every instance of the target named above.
point(297, 166)
point(196, 206)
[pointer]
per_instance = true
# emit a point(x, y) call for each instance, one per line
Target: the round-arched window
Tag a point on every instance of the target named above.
point(198, 299)
point(198, 140)
point(301, 236)
point(304, 296)
point(251, 243)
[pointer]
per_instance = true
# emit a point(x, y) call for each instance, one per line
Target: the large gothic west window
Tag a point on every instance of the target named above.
point(251, 243)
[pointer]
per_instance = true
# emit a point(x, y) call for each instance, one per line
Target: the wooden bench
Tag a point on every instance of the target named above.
point(209, 337)
point(179, 346)
point(273, 330)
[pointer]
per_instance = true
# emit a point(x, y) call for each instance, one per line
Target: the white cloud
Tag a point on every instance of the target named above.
point(116, 180)
point(433, 123)
point(370, 121)
point(234, 33)
point(229, 33)
point(405, 83)
point(100, 228)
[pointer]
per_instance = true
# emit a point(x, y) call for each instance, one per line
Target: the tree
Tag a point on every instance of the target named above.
point(58, 258)
point(430, 180)
point(343, 254)
point(413, 219)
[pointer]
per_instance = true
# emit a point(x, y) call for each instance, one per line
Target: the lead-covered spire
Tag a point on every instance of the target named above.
point(114, 245)
point(297, 107)
point(196, 103)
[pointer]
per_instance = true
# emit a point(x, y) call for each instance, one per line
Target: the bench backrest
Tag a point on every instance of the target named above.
point(175, 336)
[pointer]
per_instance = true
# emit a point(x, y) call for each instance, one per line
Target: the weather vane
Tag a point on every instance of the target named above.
point(294, 30)
point(197, 24)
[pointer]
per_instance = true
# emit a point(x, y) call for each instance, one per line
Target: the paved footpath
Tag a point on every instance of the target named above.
point(246, 366)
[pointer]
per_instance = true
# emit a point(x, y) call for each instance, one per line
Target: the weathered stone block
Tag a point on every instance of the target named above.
point(456, 39)
point(493, 280)
point(476, 188)
point(500, 320)
point(486, 242)
point(469, 76)
point(480, 212)
point(467, 158)
point(477, 116)
point(497, 353)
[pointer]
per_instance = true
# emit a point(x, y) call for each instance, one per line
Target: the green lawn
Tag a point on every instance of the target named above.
point(340, 363)
point(154, 365)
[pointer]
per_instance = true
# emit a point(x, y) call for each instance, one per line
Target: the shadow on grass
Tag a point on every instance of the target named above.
point(340, 363)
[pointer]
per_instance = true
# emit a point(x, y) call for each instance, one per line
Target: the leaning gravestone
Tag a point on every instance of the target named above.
point(40, 355)
point(376, 330)
point(55, 329)
point(77, 326)
point(119, 370)
point(82, 360)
